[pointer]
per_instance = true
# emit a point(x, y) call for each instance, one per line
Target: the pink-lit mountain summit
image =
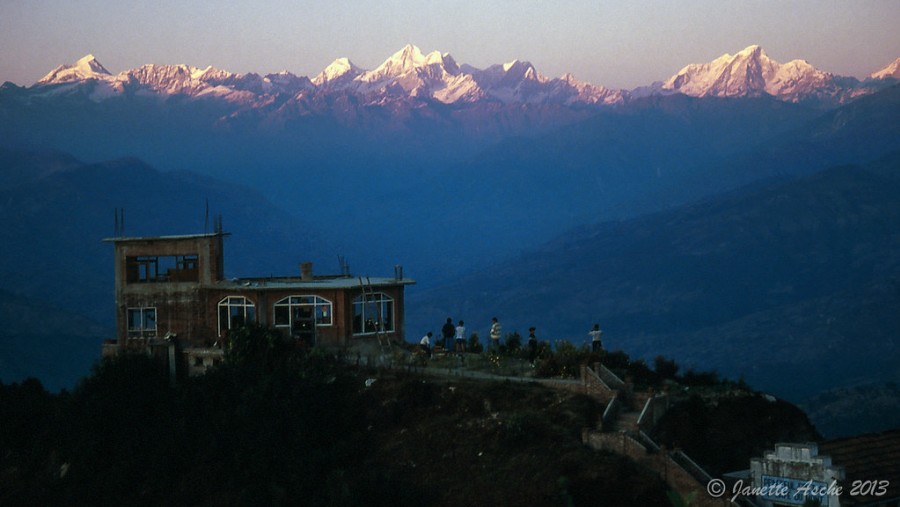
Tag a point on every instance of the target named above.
point(411, 74)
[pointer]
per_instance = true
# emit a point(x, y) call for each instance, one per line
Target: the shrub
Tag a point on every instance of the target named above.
point(257, 347)
point(617, 360)
point(642, 374)
point(665, 368)
point(474, 344)
point(565, 361)
point(524, 428)
point(513, 343)
point(698, 379)
point(548, 367)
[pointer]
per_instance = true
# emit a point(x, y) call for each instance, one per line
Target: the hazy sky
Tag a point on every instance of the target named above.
point(619, 44)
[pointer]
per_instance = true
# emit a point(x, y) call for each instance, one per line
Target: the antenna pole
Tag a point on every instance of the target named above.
point(119, 222)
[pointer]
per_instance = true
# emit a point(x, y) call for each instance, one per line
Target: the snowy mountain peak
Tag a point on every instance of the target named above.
point(751, 73)
point(409, 60)
point(86, 67)
point(753, 50)
point(89, 63)
point(409, 54)
point(891, 71)
point(197, 73)
point(524, 70)
point(415, 74)
point(336, 70)
point(510, 75)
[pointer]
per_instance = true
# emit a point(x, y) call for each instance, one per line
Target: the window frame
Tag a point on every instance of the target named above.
point(242, 304)
point(142, 269)
point(142, 330)
point(317, 303)
point(385, 310)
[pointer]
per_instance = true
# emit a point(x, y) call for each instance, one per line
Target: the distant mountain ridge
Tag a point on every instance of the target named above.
point(792, 283)
point(435, 76)
point(752, 73)
point(445, 168)
point(58, 273)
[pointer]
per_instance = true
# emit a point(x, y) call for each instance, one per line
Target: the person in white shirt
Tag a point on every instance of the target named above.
point(461, 337)
point(595, 333)
point(425, 343)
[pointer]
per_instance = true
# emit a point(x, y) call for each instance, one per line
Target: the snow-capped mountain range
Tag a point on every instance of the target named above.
point(407, 74)
point(436, 76)
point(752, 73)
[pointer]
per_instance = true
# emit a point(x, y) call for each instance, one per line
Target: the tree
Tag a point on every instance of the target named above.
point(257, 347)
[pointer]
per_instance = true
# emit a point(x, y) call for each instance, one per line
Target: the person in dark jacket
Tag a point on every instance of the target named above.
point(447, 333)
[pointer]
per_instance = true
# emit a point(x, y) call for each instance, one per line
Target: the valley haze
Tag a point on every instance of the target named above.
point(739, 207)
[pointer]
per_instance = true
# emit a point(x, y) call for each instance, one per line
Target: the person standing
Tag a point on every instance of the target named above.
point(425, 343)
point(496, 331)
point(532, 345)
point(461, 337)
point(447, 333)
point(595, 333)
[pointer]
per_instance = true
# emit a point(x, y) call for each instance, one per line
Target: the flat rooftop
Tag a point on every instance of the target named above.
point(124, 239)
point(320, 282)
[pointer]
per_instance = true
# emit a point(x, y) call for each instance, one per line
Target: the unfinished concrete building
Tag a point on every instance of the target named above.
point(173, 300)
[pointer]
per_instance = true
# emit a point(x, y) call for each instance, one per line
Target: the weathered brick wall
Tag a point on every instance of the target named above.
point(595, 386)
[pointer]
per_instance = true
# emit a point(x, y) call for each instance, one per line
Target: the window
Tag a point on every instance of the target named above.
point(234, 312)
point(373, 313)
point(167, 268)
point(293, 309)
point(142, 269)
point(141, 322)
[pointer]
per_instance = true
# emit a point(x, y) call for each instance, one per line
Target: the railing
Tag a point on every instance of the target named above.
point(691, 467)
point(612, 410)
point(608, 377)
point(654, 408)
point(647, 442)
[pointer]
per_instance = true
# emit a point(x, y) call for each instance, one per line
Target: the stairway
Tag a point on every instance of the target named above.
point(627, 422)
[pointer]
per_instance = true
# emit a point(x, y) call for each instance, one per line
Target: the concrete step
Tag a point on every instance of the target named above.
point(627, 421)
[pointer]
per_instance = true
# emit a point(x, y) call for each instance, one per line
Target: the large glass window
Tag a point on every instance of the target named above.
point(290, 310)
point(373, 313)
point(141, 322)
point(234, 312)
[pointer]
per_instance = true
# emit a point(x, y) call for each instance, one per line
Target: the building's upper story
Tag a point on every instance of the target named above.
point(191, 259)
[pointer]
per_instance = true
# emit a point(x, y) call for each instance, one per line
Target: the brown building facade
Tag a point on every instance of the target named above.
point(171, 295)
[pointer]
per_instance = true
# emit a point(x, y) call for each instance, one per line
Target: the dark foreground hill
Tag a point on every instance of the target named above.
point(310, 433)
point(273, 426)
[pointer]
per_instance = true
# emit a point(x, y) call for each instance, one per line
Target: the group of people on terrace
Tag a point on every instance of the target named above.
point(454, 338)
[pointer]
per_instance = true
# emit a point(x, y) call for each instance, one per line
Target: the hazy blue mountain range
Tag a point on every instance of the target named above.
point(791, 283)
point(469, 170)
point(720, 223)
point(58, 279)
point(847, 411)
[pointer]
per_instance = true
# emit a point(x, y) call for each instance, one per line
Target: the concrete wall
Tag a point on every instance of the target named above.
point(797, 462)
